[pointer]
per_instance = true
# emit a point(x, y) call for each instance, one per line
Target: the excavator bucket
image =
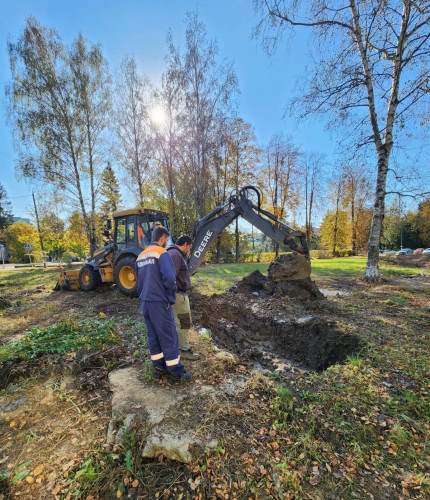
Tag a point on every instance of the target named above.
point(290, 267)
point(68, 280)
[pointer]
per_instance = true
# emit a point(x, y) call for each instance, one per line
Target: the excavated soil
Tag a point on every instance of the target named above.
point(279, 324)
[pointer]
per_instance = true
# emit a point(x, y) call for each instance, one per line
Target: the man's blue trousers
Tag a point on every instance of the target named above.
point(162, 336)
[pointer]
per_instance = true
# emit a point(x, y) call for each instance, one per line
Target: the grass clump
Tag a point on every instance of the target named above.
point(61, 338)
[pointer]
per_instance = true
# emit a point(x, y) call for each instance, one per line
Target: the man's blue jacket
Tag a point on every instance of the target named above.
point(156, 275)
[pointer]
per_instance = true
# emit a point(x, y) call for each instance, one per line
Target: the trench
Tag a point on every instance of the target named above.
point(265, 321)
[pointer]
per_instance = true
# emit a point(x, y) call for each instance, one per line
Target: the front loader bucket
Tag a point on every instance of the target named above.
point(68, 280)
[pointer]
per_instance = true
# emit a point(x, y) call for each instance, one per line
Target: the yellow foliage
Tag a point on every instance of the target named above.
point(19, 234)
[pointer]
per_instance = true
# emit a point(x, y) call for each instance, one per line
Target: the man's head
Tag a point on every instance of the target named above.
point(160, 235)
point(184, 243)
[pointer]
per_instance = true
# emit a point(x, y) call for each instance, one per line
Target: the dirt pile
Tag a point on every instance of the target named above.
point(409, 260)
point(274, 321)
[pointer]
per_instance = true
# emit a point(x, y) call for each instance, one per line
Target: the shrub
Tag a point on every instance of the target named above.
point(67, 258)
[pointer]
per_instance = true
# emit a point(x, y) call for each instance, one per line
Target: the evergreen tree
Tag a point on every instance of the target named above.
point(109, 191)
point(6, 217)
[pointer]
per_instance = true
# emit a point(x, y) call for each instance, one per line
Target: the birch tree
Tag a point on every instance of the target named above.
point(312, 185)
point(134, 149)
point(278, 177)
point(91, 81)
point(371, 76)
point(209, 89)
point(242, 159)
point(57, 122)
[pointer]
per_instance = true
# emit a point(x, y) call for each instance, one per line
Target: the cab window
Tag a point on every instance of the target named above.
point(120, 230)
point(130, 229)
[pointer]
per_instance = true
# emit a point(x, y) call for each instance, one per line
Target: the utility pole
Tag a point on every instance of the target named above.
point(38, 230)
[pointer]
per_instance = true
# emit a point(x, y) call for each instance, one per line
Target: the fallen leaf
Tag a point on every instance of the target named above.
point(38, 470)
point(118, 493)
point(135, 483)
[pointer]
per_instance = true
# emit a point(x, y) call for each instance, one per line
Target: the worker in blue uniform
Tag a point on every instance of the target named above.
point(156, 287)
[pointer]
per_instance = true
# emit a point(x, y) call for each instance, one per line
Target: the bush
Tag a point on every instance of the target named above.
point(320, 254)
point(67, 258)
point(245, 257)
point(344, 252)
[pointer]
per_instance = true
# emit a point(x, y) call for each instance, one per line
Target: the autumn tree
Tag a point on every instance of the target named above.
point(241, 161)
point(333, 232)
point(312, 186)
point(356, 191)
point(208, 89)
point(167, 126)
point(58, 112)
point(74, 237)
point(91, 82)
point(370, 76)
point(336, 219)
point(17, 235)
point(134, 145)
point(52, 233)
point(390, 237)
point(6, 216)
point(423, 222)
point(278, 176)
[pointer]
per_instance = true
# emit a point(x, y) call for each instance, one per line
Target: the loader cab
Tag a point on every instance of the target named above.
point(133, 228)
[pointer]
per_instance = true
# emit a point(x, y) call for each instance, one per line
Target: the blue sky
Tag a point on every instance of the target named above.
point(139, 28)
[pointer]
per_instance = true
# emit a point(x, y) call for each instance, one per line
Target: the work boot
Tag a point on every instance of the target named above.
point(158, 373)
point(173, 379)
point(189, 354)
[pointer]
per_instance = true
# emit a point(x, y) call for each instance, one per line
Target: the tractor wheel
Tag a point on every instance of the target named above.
point(125, 276)
point(89, 278)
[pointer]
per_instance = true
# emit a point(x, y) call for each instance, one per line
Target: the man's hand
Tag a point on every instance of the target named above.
point(168, 305)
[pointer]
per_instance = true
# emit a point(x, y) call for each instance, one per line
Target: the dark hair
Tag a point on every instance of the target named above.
point(158, 233)
point(183, 239)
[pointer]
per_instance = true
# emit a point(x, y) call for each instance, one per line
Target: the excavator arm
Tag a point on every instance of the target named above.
point(239, 204)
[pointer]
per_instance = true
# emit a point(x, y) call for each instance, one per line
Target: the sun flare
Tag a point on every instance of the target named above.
point(158, 115)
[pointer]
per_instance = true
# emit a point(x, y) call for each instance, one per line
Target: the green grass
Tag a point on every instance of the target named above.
point(217, 278)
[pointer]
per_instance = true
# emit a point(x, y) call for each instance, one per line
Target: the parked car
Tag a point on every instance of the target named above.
point(418, 250)
point(426, 250)
point(76, 259)
point(388, 251)
point(405, 251)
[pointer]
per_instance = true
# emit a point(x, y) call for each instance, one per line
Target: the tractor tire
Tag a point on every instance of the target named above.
point(125, 276)
point(89, 278)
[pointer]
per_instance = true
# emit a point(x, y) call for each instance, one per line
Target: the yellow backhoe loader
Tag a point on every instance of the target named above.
point(132, 233)
point(115, 262)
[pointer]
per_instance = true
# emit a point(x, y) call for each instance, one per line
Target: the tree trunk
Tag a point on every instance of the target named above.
point(237, 242)
point(372, 265)
point(353, 221)
point(218, 249)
